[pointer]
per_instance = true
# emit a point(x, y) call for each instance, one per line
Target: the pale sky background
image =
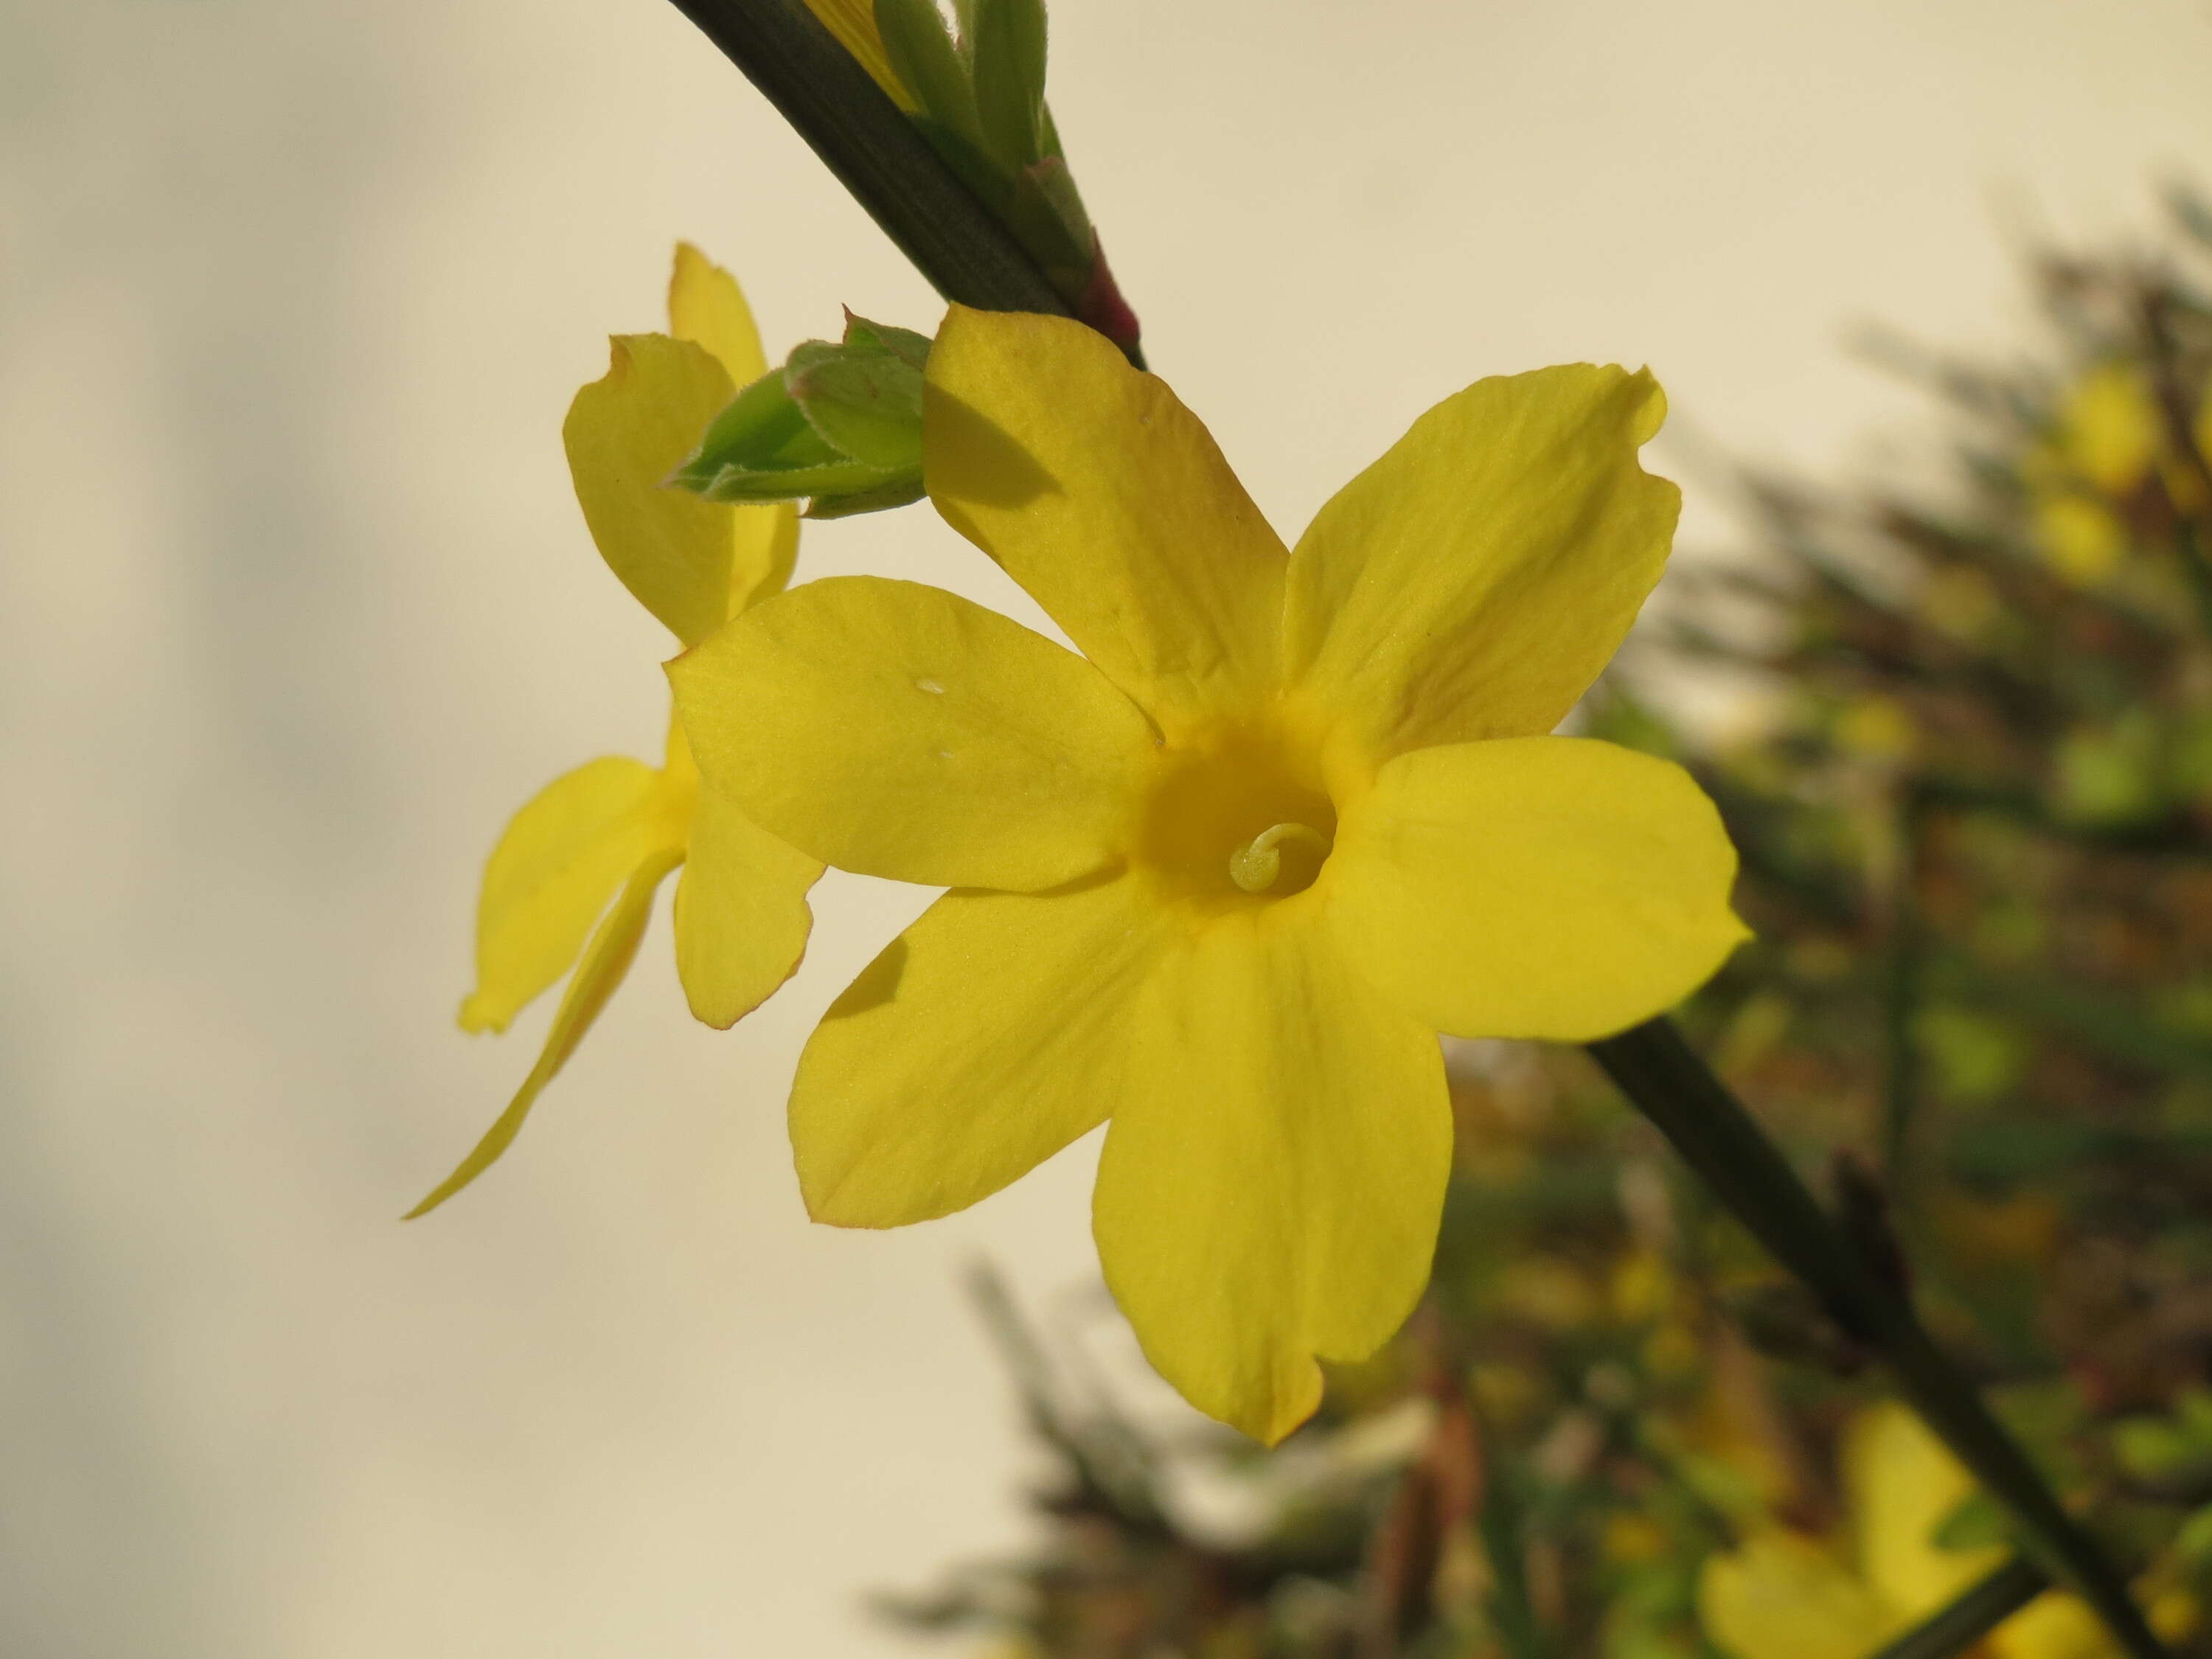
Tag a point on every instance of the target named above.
point(295, 606)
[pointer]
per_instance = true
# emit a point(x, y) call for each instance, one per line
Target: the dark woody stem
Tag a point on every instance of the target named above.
point(832, 102)
point(1719, 1140)
point(1978, 1609)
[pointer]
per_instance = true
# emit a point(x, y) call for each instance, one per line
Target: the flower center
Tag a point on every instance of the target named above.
point(1258, 864)
point(1238, 818)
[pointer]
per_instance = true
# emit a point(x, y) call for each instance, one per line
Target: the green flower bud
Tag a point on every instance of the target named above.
point(838, 426)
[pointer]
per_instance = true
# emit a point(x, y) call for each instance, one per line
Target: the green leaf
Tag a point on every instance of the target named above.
point(2193, 1542)
point(1978, 1522)
point(922, 55)
point(1007, 51)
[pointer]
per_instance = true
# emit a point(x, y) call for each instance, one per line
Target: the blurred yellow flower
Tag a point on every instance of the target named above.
point(1781, 1594)
point(2108, 437)
point(2081, 539)
point(612, 828)
point(1224, 876)
point(2109, 429)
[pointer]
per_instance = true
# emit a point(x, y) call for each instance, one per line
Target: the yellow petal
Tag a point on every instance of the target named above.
point(1473, 582)
point(1781, 1596)
point(607, 960)
point(558, 862)
point(899, 731)
point(1274, 1171)
point(767, 547)
point(990, 1035)
point(624, 435)
point(1104, 498)
point(1533, 887)
point(741, 914)
point(854, 23)
point(1901, 1483)
point(706, 305)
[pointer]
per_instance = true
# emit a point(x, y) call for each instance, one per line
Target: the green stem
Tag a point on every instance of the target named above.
point(1980, 1608)
point(1720, 1142)
point(2196, 570)
point(1500, 1524)
point(877, 153)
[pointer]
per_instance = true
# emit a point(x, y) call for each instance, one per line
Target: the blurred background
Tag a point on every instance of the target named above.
point(295, 606)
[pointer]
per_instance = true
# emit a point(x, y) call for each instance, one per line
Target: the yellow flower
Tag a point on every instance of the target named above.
point(1225, 876)
point(1783, 1596)
point(612, 828)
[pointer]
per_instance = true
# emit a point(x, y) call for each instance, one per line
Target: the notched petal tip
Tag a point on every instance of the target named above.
point(1651, 413)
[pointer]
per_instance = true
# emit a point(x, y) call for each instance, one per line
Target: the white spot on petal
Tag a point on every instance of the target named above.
point(930, 686)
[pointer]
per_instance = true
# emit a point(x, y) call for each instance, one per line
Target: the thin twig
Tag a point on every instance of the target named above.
point(1978, 1609)
point(877, 153)
point(1709, 1126)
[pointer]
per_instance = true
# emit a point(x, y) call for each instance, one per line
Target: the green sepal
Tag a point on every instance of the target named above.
point(863, 397)
point(742, 484)
point(903, 344)
point(1006, 51)
point(903, 491)
point(753, 426)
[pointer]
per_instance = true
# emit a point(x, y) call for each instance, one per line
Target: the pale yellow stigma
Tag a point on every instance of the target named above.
point(1257, 866)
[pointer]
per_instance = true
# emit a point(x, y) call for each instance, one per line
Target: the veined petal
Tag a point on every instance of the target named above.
point(607, 960)
point(741, 913)
point(992, 1033)
point(1533, 887)
point(624, 435)
point(559, 860)
point(706, 305)
point(900, 731)
point(1275, 1171)
point(1781, 1596)
point(1107, 500)
point(1473, 581)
